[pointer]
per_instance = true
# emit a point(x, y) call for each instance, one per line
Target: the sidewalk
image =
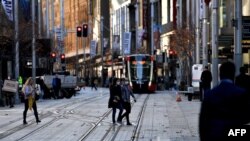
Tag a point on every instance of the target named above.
point(188, 113)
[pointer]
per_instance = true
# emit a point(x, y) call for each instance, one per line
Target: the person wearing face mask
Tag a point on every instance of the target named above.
point(115, 100)
point(126, 93)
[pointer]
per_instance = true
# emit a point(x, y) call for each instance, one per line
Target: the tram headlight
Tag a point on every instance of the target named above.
point(131, 85)
point(150, 83)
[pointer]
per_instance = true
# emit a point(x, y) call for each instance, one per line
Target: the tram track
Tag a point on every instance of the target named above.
point(113, 130)
point(137, 128)
point(86, 134)
point(137, 125)
point(64, 111)
point(61, 113)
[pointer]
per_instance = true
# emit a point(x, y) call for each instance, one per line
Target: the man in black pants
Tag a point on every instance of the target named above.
point(126, 92)
point(206, 79)
point(56, 83)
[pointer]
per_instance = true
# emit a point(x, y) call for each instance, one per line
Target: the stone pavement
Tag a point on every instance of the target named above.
point(164, 119)
point(190, 114)
point(178, 121)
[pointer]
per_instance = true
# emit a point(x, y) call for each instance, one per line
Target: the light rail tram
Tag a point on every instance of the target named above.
point(140, 72)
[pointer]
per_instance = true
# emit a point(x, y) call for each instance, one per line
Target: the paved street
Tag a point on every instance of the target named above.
point(155, 117)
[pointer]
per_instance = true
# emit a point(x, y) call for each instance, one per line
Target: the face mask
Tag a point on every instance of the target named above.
point(117, 83)
point(126, 82)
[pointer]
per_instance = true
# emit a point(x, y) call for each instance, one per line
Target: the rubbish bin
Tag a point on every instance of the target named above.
point(190, 93)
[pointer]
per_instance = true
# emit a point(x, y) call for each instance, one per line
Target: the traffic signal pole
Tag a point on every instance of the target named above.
point(77, 59)
point(85, 35)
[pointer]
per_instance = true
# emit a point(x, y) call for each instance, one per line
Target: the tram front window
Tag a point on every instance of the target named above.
point(140, 69)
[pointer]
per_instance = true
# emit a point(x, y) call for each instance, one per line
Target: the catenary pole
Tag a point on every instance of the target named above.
point(123, 31)
point(16, 40)
point(16, 44)
point(102, 50)
point(152, 27)
point(47, 19)
point(33, 42)
point(52, 22)
point(197, 32)
point(62, 26)
point(238, 36)
point(204, 35)
point(136, 26)
point(215, 25)
point(39, 19)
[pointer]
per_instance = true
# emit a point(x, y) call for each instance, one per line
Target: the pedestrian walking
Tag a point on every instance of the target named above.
point(9, 97)
point(94, 82)
point(56, 84)
point(206, 79)
point(29, 99)
point(45, 90)
point(243, 80)
point(115, 100)
point(126, 93)
point(225, 106)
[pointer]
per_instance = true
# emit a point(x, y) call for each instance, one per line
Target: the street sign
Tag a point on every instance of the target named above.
point(10, 86)
point(245, 30)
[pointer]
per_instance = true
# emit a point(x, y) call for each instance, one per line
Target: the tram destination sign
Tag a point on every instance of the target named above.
point(246, 30)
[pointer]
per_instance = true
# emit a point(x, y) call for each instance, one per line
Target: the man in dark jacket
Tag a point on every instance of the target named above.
point(223, 107)
point(206, 79)
point(126, 93)
point(56, 83)
point(243, 80)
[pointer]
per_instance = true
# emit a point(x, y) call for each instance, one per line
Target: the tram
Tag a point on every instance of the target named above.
point(140, 72)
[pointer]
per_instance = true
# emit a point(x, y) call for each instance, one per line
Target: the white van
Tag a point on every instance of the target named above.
point(196, 76)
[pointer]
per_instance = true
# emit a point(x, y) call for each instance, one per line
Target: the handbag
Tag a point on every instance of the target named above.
point(116, 99)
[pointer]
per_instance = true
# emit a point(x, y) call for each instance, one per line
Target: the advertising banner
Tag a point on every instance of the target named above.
point(8, 8)
point(93, 48)
point(126, 43)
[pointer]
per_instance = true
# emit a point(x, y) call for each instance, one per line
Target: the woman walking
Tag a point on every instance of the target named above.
point(29, 99)
point(115, 100)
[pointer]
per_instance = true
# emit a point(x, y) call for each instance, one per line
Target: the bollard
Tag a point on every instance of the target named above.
point(190, 95)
